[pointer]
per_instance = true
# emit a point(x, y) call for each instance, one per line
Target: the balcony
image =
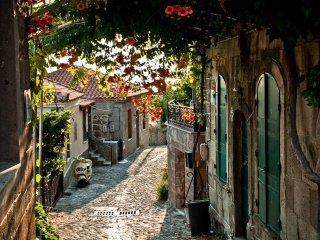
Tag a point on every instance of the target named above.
point(177, 110)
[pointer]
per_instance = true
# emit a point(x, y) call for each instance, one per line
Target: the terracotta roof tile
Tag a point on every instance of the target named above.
point(91, 89)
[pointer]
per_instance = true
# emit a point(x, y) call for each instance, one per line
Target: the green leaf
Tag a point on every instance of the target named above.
point(38, 178)
point(38, 162)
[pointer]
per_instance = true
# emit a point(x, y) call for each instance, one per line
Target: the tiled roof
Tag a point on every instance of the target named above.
point(91, 89)
point(64, 94)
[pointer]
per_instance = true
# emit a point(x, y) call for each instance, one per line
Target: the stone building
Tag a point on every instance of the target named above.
point(258, 183)
point(257, 186)
point(17, 182)
point(114, 122)
point(186, 166)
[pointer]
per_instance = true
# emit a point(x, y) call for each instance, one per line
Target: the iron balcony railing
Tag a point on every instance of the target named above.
point(175, 110)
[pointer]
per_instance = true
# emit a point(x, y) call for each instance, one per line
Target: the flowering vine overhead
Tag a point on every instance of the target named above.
point(40, 23)
point(177, 10)
point(173, 34)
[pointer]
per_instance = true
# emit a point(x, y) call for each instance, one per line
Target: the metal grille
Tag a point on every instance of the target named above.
point(104, 213)
point(126, 213)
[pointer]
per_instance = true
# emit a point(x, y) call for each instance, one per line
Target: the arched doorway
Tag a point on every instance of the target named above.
point(240, 174)
point(268, 152)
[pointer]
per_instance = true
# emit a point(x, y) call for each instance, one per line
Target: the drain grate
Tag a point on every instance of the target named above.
point(104, 213)
point(113, 213)
point(127, 213)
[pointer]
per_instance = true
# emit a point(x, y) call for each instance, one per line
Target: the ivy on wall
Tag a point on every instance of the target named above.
point(312, 93)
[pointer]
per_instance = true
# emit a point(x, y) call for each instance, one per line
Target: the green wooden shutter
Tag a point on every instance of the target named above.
point(221, 128)
point(261, 154)
point(268, 153)
point(273, 155)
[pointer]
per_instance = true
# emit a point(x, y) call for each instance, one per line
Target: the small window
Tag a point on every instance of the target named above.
point(75, 131)
point(84, 123)
point(144, 120)
point(129, 124)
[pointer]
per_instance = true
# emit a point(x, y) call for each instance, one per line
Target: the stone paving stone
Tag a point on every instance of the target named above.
point(127, 186)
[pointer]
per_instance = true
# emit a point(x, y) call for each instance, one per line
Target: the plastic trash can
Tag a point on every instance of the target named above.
point(199, 218)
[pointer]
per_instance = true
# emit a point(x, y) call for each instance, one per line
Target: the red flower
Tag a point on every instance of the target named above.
point(153, 75)
point(64, 65)
point(49, 18)
point(35, 21)
point(169, 10)
point(81, 6)
point(182, 12)
point(63, 53)
point(43, 22)
point(120, 58)
point(189, 10)
point(130, 41)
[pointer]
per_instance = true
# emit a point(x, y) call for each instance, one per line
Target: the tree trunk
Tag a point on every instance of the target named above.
point(292, 81)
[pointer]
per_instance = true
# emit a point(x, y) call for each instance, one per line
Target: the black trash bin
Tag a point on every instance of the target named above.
point(198, 211)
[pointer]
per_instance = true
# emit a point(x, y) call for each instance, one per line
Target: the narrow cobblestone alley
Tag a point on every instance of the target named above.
point(120, 202)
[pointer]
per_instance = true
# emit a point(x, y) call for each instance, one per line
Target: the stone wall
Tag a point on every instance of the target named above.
point(182, 187)
point(17, 193)
point(299, 197)
point(158, 135)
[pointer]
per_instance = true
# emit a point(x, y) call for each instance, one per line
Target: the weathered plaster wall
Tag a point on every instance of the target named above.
point(299, 197)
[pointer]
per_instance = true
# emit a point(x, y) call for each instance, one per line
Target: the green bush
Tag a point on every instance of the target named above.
point(44, 230)
point(162, 188)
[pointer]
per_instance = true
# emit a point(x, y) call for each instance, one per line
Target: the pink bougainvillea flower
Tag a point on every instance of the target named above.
point(130, 41)
point(169, 10)
point(182, 11)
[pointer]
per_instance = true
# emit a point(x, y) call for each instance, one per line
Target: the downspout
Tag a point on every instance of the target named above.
point(203, 64)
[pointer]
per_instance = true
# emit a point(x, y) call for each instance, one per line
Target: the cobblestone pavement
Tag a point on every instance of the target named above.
point(125, 199)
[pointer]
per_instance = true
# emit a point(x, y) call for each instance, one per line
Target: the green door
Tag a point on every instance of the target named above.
point(221, 128)
point(268, 153)
point(244, 173)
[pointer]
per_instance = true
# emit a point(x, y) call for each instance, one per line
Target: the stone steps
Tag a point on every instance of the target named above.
point(98, 160)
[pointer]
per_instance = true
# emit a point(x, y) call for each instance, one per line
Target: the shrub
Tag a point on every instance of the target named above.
point(162, 188)
point(43, 229)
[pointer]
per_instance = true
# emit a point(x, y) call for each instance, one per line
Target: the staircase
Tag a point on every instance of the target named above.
point(100, 153)
point(99, 160)
point(103, 152)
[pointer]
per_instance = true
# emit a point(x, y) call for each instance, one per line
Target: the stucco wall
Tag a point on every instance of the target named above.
point(299, 197)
